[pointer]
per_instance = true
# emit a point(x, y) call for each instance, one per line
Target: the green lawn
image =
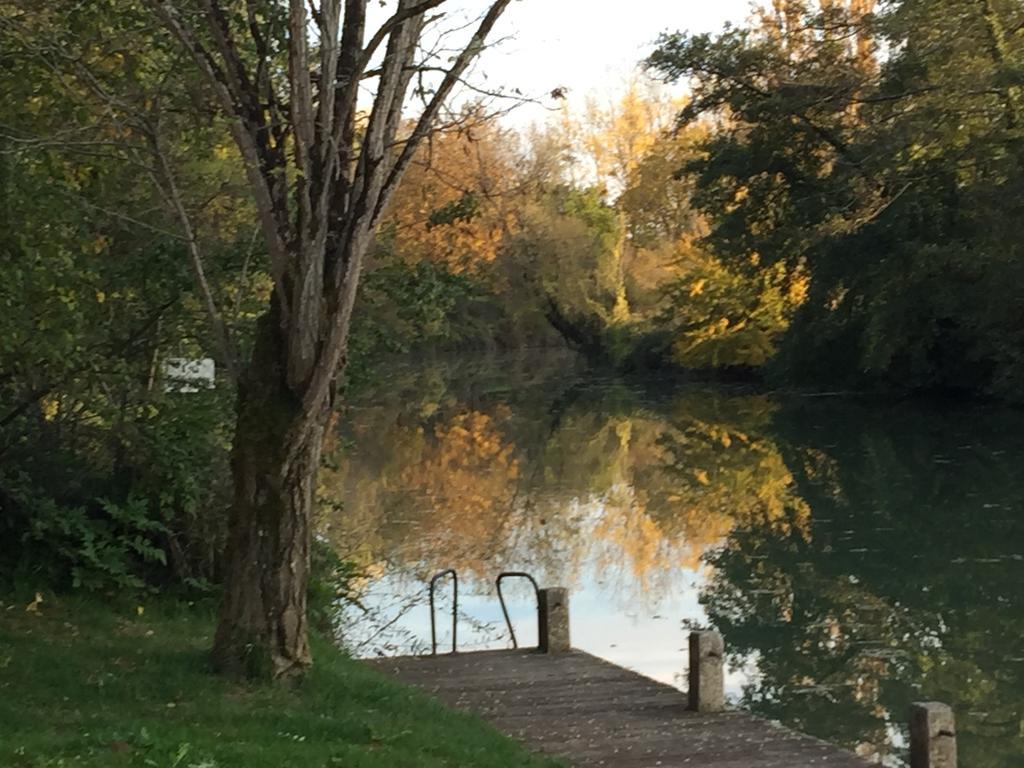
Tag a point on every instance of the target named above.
point(93, 683)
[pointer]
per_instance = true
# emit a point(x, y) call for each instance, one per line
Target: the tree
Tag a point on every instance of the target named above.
point(100, 465)
point(718, 315)
point(566, 252)
point(574, 245)
point(893, 180)
point(321, 173)
point(608, 145)
point(456, 203)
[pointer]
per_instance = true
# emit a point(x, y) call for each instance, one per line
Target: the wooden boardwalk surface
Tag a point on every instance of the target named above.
point(593, 713)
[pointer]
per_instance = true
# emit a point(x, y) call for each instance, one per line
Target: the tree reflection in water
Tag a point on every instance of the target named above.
point(908, 586)
point(855, 558)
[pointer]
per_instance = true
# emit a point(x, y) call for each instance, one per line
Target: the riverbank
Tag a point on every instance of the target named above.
point(86, 682)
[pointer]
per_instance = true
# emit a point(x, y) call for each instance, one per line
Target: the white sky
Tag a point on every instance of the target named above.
point(585, 46)
point(589, 46)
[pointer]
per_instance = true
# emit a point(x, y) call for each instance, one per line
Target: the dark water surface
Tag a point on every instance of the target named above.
point(856, 556)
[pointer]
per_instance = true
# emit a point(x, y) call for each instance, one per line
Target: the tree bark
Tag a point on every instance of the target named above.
point(262, 628)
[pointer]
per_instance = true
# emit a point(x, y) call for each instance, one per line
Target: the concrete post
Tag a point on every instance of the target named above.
point(932, 736)
point(553, 620)
point(707, 674)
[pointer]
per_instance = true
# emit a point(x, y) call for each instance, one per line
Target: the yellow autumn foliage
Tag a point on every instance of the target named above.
point(456, 203)
point(637, 496)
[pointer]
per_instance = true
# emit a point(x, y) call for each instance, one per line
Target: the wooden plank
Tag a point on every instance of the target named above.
point(593, 713)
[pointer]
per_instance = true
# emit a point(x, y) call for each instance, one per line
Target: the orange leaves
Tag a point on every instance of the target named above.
point(470, 464)
point(430, 219)
point(467, 476)
point(637, 493)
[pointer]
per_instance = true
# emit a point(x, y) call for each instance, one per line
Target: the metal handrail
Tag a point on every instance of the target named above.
point(455, 608)
point(504, 609)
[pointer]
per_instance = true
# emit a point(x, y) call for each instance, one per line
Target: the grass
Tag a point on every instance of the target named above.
point(91, 683)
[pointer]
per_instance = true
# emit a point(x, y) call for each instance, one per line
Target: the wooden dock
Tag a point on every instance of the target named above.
point(593, 713)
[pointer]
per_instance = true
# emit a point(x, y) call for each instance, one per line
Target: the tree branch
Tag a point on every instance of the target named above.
point(377, 182)
point(172, 194)
point(259, 168)
point(399, 16)
point(429, 115)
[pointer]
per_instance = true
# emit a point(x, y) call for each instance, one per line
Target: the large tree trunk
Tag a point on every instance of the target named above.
point(262, 630)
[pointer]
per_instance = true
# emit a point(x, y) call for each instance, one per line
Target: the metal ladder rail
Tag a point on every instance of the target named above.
point(455, 608)
point(501, 598)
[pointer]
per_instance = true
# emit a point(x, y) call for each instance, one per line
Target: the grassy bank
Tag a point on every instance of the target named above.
point(87, 683)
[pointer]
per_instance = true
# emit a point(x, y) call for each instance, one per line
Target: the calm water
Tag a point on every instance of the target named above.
point(855, 557)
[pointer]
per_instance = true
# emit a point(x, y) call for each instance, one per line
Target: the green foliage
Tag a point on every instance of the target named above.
point(895, 180)
point(109, 480)
point(466, 208)
point(98, 546)
point(330, 586)
point(567, 258)
point(143, 502)
point(566, 251)
point(402, 307)
point(657, 200)
point(181, 466)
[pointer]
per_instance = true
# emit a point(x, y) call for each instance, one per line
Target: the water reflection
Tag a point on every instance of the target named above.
point(909, 586)
point(855, 559)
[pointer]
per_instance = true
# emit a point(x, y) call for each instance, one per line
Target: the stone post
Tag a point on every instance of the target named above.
point(932, 736)
point(553, 620)
point(707, 675)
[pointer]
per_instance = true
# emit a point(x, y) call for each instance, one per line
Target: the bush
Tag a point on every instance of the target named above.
point(121, 504)
point(94, 546)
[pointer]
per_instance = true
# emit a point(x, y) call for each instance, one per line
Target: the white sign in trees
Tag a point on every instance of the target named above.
point(184, 375)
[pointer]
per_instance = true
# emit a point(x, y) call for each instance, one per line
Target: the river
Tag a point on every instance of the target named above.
point(856, 556)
